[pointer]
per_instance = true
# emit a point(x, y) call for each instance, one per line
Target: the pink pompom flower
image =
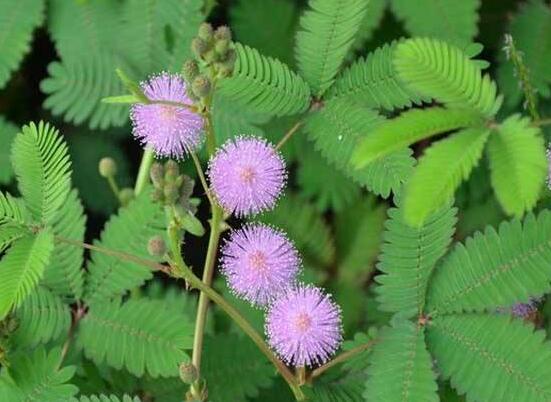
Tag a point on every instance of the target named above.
point(304, 326)
point(259, 263)
point(170, 130)
point(247, 175)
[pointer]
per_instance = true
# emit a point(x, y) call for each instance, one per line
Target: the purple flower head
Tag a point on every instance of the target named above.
point(304, 326)
point(247, 175)
point(169, 130)
point(524, 310)
point(259, 263)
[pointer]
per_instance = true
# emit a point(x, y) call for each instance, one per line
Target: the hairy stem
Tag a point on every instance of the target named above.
point(341, 359)
point(195, 282)
point(143, 173)
point(202, 179)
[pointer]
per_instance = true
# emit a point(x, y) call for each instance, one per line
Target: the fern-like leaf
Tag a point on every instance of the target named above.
point(104, 398)
point(374, 81)
point(265, 85)
point(337, 137)
point(453, 158)
point(129, 232)
point(39, 377)
point(43, 168)
point(7, 134)
point(408, 128)
point(12, 211)
point(9, 234)
point(401, 367)
point(495, 269)
point(449, 20)
point(64, 274)
point(438, 70)
point(328, 29)
point(337, 387)
point(41, 318)
point(140, 335)
point(234, 368)
point(518, 164)
point(22, 267)
point(17, 23)
point(306, 227)
point(492, 358)
point(408, 259)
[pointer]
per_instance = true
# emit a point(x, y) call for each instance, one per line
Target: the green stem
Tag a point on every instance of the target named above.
point(202, 179)
point(143, 173)
point(341, 359)
point(288, 135)
point(542, 122)
point(114, 187)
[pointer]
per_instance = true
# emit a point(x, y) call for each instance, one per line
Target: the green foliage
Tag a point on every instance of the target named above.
point(12, 211)
point(531, 31)
point(139, 335)
point(265, 85)
point(336, 387)
point(64, 274)
point(336, 138)
point(408, 128)
point(495, 268)
point(41, 163)
point(449, 20)
point(7, 134)
point(401, 367)
point(104, 398)
point(22, 268)
point(234, 368)
point(453, 158)
point(17, 23)
point(518, 163)
point(39, 377)
point(41, 318)
point(129, 232)
point(492, 358)
point(327, 32)
point(305, 227)
point(408, 258)
point(374, 81)
point(438, 70)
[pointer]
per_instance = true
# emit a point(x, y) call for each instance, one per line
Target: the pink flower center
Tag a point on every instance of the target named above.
point(168, 113)
point(303, 322)
point(258, 261)
point(247, 174)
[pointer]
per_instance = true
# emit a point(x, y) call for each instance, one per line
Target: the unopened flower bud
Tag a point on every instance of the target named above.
point(223, 33)
point(188, 373)
point(126, 195)
point(107, 167)
point(172, 170)
point(221, 47)
point(205, 32)
point(201, 86)
point(157, 174)
point(199, 47)
point(156, 246)
point(190, 70)
point(171, 194)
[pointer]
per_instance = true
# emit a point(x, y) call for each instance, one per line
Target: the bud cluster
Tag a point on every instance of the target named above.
point(171, 187)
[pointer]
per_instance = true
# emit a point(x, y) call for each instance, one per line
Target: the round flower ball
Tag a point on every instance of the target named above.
point(259, 263)
point(304, 326)
point(247, 175)
point(170, 130)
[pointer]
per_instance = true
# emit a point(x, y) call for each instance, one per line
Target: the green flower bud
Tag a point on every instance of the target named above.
point(188, 373)
point(221, 47)
point(171, 193)
point(156, 246)
point(223, 33)
point(126, 195)
point(157, 173)
point(190, 70)
point(201, 86)
point(172, 171)
point(107, 167)
point(199, 47)
point(205, 32)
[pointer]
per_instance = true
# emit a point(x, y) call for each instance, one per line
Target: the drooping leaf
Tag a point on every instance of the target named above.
point(337, 137)
point(453, 158)
point(401, 367)
point(408, 128)
point(491, 357)
point(438, 70)
point(140, 335)
point(495, 268)
point(265, 85)
point(518, 163)
point(408, 258)
point(328, 29)
point(22, 268)
point(43, 168)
